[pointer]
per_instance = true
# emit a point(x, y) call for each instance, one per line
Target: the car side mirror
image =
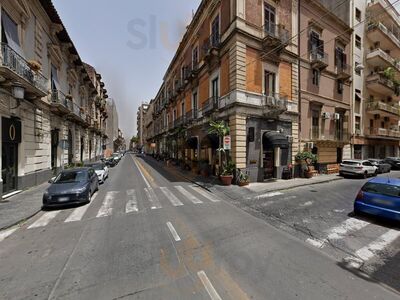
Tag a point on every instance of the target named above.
point(50, 181)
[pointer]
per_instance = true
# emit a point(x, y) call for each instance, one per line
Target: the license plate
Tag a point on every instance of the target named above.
point(63, 199)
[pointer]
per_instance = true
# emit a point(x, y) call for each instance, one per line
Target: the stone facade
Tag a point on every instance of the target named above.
point(59, 117)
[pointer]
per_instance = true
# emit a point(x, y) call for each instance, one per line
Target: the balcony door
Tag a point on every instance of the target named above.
point(315, 124)
point(269, 19)
point(269, 82)
point(215, 32)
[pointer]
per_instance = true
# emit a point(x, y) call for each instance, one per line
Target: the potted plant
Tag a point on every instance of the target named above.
point(306, 159)
point(227, 173)
point(243, 179)
point(34, 65)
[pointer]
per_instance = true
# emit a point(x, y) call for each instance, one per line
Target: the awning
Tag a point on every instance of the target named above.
point(191, 143)
point(210, 141)
point(275, 139)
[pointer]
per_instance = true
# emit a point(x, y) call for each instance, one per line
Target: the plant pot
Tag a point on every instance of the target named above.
point(308, 174)
point(226, 179)
point(243, 183)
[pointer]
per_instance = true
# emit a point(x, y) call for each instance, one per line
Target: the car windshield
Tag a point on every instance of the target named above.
point(73, 176)
point(382, 189)
point(97, 167)
point(347, 162)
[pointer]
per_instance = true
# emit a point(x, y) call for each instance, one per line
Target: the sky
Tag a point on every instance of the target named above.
point(130, 43)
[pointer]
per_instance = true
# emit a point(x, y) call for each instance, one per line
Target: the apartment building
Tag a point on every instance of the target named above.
point(112, 129)
point(376, 113)
point(48, 100)
point(326, 77)
point(140, 124)
point(235, 63)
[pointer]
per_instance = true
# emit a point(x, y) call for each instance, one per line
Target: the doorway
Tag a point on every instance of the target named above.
point(70, 148)
point(9, 167)
point(268, 163)
point(82, 148)
point(54, 147)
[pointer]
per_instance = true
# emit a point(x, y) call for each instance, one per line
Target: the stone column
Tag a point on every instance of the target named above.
point(237, 126)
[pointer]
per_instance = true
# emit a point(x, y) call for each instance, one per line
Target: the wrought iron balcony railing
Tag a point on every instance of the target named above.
point(17, 64)
point(319, 59)
point(276, 32)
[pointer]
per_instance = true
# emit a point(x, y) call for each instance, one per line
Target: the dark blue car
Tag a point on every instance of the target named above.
point(380, 197)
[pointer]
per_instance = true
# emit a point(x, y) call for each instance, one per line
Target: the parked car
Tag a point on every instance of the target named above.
point(101, 170)
point(356, 167)
point(394, 162)
point(116, 157)
point(383, 167)
point(74, 186)
point(381, 197)
point(110, 162)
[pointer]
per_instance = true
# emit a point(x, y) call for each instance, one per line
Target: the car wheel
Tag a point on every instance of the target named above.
point(376, 173)
point(89, 196)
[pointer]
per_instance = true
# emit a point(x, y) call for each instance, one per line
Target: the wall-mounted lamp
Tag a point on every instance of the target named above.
point(18, 91)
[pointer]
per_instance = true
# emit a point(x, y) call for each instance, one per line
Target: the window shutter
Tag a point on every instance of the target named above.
point(337, 54)
point(344, 58)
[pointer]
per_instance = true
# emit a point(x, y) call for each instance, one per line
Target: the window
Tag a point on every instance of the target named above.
point(183, 108)
point(383, 189)
point(55, 85)
point(9, 31)
point(174, 115)
point(316, 77)
point(340, 57)
point(251, 134)
point(315, 124)
point(358, 41)
point(358, 123)
point(215, 88)
point(269, 19)
point(194, 101)
point(269, 82)
point(340, 86)
point(215, 32)
point(315, 46)
point(183, 71)
point(358, 15)
point(195, 57)
point(357, 104)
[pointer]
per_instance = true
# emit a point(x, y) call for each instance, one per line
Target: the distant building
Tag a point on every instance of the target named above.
point(140, 123)
point(112, 127)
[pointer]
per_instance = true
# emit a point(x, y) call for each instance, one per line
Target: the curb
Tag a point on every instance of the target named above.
point(21, 221)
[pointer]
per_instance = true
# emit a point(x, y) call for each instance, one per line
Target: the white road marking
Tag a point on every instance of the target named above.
point(315, 242)
point(141, 173)
point(106, 209)
point(151, 196)
point(173, 232)
point(171, 197)
point(205, 194)
point(44, 219)
point(269, 195)
point(188, 195)
point(351, 224)
point(6, 233)
point(79, 212)
point(209, 287)
point(338, 232)
point(131, 205)
point(369, 251)
point(308, 203)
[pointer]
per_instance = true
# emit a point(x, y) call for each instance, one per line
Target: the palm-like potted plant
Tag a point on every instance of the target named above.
point(221, 129)
point(227, 173)
point(307, 159)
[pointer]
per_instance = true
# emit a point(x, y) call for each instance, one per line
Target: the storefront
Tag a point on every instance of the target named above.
point(11, 138)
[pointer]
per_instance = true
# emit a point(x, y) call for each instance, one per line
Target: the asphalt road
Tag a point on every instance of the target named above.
point(149, 235)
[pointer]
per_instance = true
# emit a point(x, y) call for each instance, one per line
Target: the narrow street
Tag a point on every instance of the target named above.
point(150, 235)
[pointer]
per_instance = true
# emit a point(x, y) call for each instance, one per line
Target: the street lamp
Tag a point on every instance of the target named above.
point(18, 91)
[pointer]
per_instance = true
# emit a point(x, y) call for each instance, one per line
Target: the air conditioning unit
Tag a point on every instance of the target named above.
point(326, 115)
point(336, 116)
point(358, 131)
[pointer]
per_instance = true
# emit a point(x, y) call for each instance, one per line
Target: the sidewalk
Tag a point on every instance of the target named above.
point(235, 192)
point(21, 206)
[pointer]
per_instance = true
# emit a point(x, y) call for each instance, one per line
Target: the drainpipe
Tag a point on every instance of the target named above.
point(299, 70)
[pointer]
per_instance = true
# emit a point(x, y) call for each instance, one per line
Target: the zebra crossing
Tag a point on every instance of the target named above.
point(155, 198)
point(346, 237)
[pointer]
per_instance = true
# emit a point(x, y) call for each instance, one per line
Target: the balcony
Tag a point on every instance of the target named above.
point(380, 84)
point(275, 104)
point(16, 69)
point(60, 103)
point(383, 109)
point(211, 46)
point(381, 59)
point(179, 121)
point(191, 116)
point(329, 136)
point(275, 35)
point(210, 105)
point(77, 114)
point(343, 71)
point(383, 133)
point(319, 59)
point(389, 38)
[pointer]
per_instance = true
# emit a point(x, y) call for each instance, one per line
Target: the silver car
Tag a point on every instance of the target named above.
point(356, 167)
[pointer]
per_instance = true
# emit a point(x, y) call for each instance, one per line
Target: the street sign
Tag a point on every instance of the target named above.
point(227, 142)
